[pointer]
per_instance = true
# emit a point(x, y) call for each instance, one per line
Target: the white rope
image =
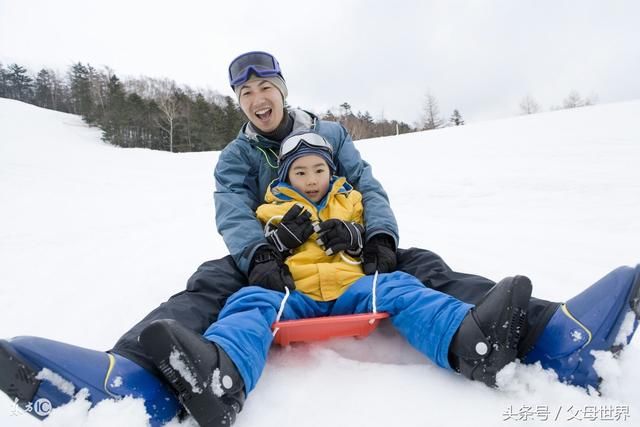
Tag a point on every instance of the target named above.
point(284, 300)
point(349, 261)
point(373, 291)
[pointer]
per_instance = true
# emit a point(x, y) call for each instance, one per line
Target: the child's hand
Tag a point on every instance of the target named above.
point(294, 229)
point(337, 235)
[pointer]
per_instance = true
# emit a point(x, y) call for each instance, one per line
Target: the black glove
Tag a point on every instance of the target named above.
point(269, 270)
point(294, 229)
point(337, 235)
point(379, 253)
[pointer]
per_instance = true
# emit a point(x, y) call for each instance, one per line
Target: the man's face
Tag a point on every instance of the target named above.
point(262, 103)
point(310, 175)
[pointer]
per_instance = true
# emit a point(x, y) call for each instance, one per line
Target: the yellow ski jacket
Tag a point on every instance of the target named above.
point(319, 276)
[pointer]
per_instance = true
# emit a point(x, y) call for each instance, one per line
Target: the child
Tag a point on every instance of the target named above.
point(213, 375)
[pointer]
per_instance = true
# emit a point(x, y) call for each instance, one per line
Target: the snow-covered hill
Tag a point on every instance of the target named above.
point(92, 237)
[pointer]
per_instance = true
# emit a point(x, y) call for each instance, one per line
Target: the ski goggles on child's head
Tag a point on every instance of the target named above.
point(262, 64)
point(310, 139)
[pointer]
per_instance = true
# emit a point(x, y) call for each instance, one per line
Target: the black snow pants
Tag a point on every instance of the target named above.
point(209, 287)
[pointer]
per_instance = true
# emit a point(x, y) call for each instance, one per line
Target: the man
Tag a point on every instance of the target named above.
point(560, 336)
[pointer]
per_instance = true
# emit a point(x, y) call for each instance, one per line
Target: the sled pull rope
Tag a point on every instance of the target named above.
point(373, 291)
point(284, 301)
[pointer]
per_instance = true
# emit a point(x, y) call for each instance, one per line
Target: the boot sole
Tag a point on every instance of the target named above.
point(519, 297)
point(17, 376)
point(633, 301)
point(159, 342)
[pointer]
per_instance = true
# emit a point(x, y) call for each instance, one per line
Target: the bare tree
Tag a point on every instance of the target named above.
point(573, 100)
point(528, 105)
point(164, 93)
point(432, 119)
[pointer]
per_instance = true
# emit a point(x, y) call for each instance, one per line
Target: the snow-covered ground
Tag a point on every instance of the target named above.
point(92, 237)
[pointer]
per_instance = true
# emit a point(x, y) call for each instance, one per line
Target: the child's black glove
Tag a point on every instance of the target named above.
point(379, 253)
point(269, 270)
point(294, 229)
point(337, 235)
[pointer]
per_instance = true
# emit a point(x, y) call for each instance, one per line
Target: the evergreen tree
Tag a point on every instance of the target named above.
point(139, 132)
point(114, 120)
point(20, 85)
point(44, 90)
point(80, 85)
point(202, 127)
point(233, 119)
point(456, 119)
point(4, 82)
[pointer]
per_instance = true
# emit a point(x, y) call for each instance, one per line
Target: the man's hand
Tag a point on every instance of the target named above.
point(269, 271)
point(379, 254)
point(337, 235)
point(294, 229)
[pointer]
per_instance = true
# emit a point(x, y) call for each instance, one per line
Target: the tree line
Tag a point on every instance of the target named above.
point(144, 112)
point(155, 113)
point(162, 115)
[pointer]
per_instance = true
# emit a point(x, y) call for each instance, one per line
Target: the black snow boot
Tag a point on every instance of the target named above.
point(204, 378)
point(488, 337)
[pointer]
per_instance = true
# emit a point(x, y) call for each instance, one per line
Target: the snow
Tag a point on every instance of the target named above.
point(60, 383)
point(92, 237)
point(176, 362)
point(626, 329)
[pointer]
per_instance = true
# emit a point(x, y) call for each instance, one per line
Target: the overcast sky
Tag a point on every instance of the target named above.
point(481, 57)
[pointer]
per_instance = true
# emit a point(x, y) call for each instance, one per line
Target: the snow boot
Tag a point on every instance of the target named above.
point(205, 379)
point(488, 337)
point(602, 317)
point(40, 374)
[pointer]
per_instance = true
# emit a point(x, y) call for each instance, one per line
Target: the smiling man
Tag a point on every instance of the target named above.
point(262, 100)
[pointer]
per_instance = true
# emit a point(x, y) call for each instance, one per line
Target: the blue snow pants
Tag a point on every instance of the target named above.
point(428, 319)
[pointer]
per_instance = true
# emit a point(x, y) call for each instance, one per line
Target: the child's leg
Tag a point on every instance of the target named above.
point(478, 341)
point(212, 374)
point(428, 319)
point(243, 329)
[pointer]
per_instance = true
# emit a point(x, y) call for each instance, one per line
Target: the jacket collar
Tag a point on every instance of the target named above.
point(279, 191)
point(302, 119)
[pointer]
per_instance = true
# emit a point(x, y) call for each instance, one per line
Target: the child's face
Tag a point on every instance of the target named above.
point(310, 175)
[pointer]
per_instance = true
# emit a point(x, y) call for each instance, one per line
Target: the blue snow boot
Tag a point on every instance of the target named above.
point(603, 317)
point(39, 375)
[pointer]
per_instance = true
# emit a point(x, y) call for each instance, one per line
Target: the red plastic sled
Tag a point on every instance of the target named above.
point(324, 328)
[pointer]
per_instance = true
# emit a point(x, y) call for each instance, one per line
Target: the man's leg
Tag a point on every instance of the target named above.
point(434, 273)
point(195, 308)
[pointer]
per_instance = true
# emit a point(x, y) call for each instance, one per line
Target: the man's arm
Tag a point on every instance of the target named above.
point(379, 217)
point(236, 198)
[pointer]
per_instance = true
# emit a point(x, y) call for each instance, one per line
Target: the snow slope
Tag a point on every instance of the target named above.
point(92, 237)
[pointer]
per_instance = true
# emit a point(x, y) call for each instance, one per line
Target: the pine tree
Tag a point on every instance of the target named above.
point(456, 119)
point(44, 87)
point(80, 85)
point(4, 82)
point(113, 120)
point(20, 85)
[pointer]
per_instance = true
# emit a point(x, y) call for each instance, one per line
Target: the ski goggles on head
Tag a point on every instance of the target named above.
point(262, 64)
point(310, 139)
